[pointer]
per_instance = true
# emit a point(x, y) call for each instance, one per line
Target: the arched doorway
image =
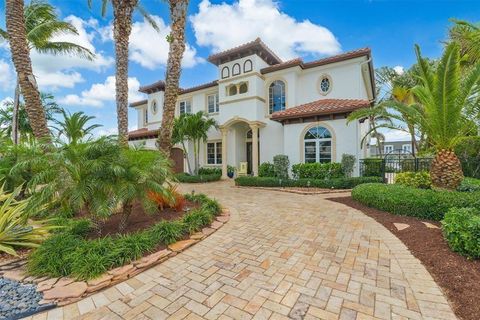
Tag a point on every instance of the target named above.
point(178, 160)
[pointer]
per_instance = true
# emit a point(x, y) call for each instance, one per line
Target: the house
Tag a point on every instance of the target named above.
point(265, 106)
point(391, 146)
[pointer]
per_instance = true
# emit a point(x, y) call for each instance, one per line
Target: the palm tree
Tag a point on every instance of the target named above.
point(444, 93)
point(122, 28)
point(23, 124)
point(180, 135)
point(467, 36)
point(74, 127)
point(41, 25)
point(178, 17)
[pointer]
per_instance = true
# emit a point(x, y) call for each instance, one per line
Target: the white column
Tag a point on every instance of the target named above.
point(254, 128)
point(224, 152)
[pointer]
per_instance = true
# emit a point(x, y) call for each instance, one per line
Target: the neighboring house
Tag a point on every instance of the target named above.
point(265, 107)
point(403, 146)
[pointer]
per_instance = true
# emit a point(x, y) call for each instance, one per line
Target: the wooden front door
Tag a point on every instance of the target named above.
point(177, 157)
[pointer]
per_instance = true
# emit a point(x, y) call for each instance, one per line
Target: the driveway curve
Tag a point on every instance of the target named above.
point(281, 256)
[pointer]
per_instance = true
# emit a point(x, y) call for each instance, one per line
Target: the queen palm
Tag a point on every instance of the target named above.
point(444, 94)
point(41, 25)
point(178, 17)
point(122, 28)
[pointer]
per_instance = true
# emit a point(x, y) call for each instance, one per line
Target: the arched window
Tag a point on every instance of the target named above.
point(232, 90)
point(225, 72)
point(276, 96)
point(145, 115)
point(318, 145)
point(243, 88)
point(247, 66)
point(236, 69)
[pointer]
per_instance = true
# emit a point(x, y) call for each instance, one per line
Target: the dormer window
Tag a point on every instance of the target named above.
point(225, 72)
point(236, 69)
point(247, 66)
point(185, 107)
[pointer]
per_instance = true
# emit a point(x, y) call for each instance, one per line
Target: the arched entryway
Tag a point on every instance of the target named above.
point(177, 157)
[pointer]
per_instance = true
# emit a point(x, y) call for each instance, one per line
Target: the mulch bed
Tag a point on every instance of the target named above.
point(457, 276)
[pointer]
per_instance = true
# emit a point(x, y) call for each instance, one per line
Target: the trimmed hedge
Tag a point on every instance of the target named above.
point(70, 253)
point(461, 229)
point(266, 169)
point(408, 201)
point(201, 178)
point(419, 179)
point(341, 183)
point(207, 170)
point(317, 170)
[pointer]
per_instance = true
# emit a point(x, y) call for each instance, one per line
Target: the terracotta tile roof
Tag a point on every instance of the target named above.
point(199, 87)
point(320, 107)
point(143, 133)
point(154, 87)
point(257, 46)
point(305, 65)
point(138, 103)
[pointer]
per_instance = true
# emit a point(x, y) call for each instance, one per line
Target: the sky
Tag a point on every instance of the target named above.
point(310, 29)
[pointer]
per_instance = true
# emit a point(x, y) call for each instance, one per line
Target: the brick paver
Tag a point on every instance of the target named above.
point(281, 256)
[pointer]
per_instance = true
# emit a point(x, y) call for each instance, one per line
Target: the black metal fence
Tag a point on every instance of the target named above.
point(392, 164)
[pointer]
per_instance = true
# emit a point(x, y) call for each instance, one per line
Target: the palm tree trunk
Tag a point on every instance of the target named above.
point(178, 16)
point(122, 27)
point(195, 152)
point(186, 155)
point(16, 29)
point(16, 107)
point(127, 211)
point(446, 170)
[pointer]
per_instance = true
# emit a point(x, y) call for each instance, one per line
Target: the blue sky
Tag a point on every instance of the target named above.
point(311, 29)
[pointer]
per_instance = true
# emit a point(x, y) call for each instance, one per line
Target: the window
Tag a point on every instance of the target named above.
point(232, 90)
point(243, 88)
point(154, 107)
point(213, 103)
point(225, 72)
point(247, 66)
point(387, 148)
point(214, 153)
point(145, 115)
point(407, 148)
point(185, 107)
point(276, 96)
point(236, 69)
point(318, 145)
point(325, 84)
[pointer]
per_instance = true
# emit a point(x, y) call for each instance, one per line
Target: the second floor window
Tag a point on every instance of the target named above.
point(185, 107)
point(276, 96)
point(145, 115)
point(213, 106)
point(387, 148)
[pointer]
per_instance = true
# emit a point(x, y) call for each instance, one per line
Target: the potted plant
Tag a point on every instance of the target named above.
point(230, 171)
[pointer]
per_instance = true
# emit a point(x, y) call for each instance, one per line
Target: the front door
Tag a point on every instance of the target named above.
point(249, 157)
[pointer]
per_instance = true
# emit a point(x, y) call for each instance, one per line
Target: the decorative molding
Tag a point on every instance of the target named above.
point(242, 99)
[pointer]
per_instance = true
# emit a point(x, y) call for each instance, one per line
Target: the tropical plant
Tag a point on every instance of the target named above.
point(180, 136)
point(41, 25)
point(348, 164)
point(15, 229)
point(176, 39)
point(74, 127)
point(122, 27)
point(444, 93)
point(467, 36)
point(194, 127)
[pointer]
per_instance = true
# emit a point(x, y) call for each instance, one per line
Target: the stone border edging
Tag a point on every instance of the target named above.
point(65, 290)
point(298, 190)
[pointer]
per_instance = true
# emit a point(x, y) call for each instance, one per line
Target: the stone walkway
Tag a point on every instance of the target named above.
point(281, 256)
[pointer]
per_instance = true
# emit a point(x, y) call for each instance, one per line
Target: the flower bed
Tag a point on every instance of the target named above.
point(409, 201)
point(340, 183)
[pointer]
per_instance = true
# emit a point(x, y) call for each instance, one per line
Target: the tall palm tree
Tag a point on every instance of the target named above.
point(178, 17)
point(42, 24)
point(74, 127)
point(122, 28)
point(444, 93)
point(467, 36)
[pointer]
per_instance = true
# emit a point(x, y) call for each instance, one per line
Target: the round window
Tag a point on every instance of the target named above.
point(154, 107)
point(325, 85)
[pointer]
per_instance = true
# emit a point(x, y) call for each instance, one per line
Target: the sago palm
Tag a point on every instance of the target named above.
point(41, 25)
point(74, 127)
point(444, 93)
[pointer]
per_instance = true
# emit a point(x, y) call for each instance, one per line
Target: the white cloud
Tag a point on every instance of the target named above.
point(223, 26)
point(99, 93)
point(60, 71)
point(149, 47)
point(106, 132)
point(7, 78)
point(393, 136)
point(399, 70)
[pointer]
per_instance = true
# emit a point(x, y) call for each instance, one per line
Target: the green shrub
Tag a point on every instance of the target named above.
point(461, 229)
point(281, 165)
point(207, 170)
point(196, 220)
point(348, 163)
point(317, 170)
point(167, 232)
point(468, 151)
point(419, 179)
point(408, 201)
point(469, 185)
point(339, 183)
point(187, 178)
point(93, 258)
point(266, 169)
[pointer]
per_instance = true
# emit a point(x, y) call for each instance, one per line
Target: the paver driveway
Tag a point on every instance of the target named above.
point(280, 256)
